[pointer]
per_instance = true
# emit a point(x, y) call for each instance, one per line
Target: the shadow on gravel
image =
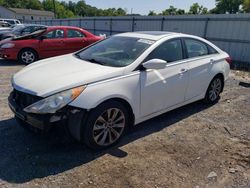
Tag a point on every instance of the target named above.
point(25, 156)
point(4, 62)
point(244, 84)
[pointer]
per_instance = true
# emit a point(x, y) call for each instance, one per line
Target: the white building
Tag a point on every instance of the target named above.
point(25, 14)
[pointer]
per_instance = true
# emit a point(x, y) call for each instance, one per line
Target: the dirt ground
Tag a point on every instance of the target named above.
point(194, 146)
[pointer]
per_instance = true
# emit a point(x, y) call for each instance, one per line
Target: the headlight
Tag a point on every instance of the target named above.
point(8, 45)
point(55, 102)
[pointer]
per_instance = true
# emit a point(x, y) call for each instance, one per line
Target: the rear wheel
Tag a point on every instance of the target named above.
point(27, 56)
point(105, 125)
point(214, 90)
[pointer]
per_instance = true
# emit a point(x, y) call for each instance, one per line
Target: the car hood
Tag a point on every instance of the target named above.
point(53, 75)
point(30, 35)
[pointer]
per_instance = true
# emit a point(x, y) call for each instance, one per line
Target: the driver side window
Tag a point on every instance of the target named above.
point(55, 34)
point(169, 51)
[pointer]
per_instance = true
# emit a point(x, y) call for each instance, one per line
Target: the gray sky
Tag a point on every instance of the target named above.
point(144, 6)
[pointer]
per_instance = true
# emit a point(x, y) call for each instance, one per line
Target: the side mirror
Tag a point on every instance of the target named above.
point(155, 64)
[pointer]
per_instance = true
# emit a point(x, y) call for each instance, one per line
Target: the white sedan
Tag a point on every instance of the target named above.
point(123, 80)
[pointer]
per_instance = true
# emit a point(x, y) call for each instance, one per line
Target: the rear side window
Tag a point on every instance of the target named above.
point(212, 50)
point(74, 34)
point(196, 48)
point(169, 51)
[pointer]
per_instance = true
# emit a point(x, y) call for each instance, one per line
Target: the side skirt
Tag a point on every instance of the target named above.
point(139, 120)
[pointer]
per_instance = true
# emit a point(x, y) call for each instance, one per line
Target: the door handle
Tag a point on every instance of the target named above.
point(211, 61)
point(183, 71)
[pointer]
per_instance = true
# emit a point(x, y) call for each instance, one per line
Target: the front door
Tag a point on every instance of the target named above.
point(161, 89)
point(53, 44)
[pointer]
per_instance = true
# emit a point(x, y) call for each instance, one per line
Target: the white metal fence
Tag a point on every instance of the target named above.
point(229, 32)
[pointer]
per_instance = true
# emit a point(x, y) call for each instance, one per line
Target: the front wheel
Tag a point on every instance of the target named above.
point(214, 90)
point(105, 125)
point(27, 56)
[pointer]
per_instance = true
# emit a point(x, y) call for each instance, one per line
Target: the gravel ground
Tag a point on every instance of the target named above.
point(194, 146)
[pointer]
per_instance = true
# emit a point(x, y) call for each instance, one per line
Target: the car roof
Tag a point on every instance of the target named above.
point(34, 25)
point(8, 19)
point(64, 27)
point(151, 35)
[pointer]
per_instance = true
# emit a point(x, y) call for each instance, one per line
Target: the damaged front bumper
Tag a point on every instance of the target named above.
point(69, 116)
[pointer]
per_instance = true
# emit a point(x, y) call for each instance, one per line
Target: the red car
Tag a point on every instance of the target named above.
point(49, 42)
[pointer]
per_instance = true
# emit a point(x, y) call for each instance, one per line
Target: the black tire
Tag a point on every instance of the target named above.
point(213, 93)
point(89, 135)
point(31, 56)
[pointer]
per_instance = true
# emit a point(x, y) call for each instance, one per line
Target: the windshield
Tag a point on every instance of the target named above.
point(115, 51)
point(18, 28)
point(10, 21)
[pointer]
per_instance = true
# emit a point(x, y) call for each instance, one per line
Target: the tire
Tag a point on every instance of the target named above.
point(105, 125)
point(214, 89)
point(27, 56)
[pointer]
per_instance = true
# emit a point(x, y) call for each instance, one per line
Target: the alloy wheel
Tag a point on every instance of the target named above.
point(109, 126)
point(215, 89)
point(28, 57)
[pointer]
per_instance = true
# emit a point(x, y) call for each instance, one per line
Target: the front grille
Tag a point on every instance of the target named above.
point(24, 99)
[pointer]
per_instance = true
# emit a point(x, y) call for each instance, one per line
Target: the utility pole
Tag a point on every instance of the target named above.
point(54, 5)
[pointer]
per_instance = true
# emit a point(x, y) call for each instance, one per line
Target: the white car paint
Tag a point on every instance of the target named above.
point(149, 93)
point(60, 73)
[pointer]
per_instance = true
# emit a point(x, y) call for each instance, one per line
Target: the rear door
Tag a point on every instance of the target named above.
point(200, 58)
point(75, 40)
point(53, 43)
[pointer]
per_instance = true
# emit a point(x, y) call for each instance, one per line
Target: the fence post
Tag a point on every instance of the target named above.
point(94, 25)
point(162, 23)
point(110, 26)
point(80, 22)
point(68, 22)
point(205, 28)
point(133, 24)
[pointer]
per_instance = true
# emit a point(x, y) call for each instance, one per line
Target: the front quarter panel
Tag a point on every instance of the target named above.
point(124, 87)
point(30, 43)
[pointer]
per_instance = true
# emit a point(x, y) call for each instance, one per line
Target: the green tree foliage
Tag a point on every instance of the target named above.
point(197, 9)
point(152, 13)
point(64, 9)
point(61, 10)
point(34, 4)
point(173, 11)
point(170, 11)
point(69, 9)
point(227, 6)
point(246, 6)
